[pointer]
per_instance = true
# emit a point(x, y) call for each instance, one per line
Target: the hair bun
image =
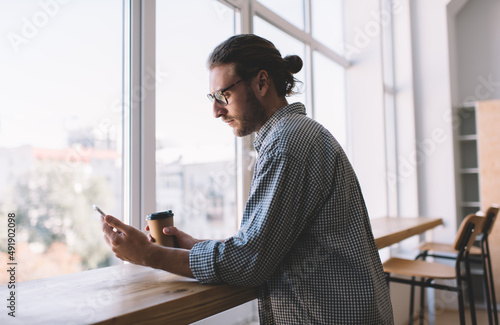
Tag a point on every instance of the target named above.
point(293, 63)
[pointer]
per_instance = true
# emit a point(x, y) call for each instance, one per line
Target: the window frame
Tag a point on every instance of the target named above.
point(139, 127)
point(139, 123)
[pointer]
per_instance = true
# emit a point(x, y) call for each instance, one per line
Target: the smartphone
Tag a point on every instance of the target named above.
point(99, 210)
point(103, 215)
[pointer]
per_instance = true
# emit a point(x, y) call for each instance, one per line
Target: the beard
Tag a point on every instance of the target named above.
point(253, 118)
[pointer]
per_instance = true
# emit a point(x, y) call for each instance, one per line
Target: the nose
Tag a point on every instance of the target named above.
point(218, 109)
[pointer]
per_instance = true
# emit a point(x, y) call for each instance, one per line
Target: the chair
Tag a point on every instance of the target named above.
point(479, 254)
point(430, 271)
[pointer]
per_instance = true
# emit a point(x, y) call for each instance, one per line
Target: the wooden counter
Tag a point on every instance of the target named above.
point(123, 294)
point(390, 230)
point(131, 294)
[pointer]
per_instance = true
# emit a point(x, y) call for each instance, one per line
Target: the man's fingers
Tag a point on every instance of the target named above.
point(112, 238)
point(107, 229)
point(106, 239)
point(115, 223)
point(170, 231)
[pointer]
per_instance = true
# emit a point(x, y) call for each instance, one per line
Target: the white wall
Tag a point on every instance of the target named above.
point(456, 58)
point(478, 50)
point(445, 50)
point(406, 180)
point(434, 132)
point(389, 183)
point(365, 102)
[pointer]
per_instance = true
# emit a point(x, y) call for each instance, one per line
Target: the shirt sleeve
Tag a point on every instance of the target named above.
point(283, 198)
point(202, 261)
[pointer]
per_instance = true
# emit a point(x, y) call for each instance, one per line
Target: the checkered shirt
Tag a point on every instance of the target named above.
point(305, 239)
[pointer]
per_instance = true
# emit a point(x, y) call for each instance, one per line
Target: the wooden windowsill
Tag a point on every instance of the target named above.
point(132, 294)
point(123, 294)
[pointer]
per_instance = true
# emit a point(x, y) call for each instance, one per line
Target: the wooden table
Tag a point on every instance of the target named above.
point(131, 294)
point(390, 230)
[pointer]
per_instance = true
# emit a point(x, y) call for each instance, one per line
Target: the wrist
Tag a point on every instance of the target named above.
point(153, 255)
point(174, 260)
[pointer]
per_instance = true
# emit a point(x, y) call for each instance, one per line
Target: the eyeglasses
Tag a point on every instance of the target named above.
point(219, 94)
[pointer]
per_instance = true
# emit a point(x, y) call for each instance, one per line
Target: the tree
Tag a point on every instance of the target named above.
point(53, 203)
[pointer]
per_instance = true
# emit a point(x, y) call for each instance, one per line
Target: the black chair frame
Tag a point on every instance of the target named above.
point(460, 288)
point(485, 261)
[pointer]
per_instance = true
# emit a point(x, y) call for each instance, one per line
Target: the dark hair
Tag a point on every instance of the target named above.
point(250, 53)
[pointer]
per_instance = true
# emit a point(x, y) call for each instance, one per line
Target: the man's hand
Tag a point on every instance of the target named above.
point(131, 245)
point(183, 240)
point(128, 243)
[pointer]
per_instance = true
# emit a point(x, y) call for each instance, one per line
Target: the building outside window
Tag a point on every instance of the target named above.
point(60, 131)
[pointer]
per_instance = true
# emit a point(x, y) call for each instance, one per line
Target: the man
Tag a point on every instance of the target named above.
point(305, 239)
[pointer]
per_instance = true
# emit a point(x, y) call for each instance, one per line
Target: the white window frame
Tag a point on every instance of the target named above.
point(139, 121)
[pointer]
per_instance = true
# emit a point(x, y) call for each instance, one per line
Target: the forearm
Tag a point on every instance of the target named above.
point(173, 260)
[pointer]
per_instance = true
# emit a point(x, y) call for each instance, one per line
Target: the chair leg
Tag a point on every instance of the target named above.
point(423, 256)
point(412, 297)
point(461, 307)
point(488, 276)
point(470, 290)
point(422, 301)
point(486, 285)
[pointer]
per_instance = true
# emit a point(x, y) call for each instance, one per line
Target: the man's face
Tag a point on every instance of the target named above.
point(244, 113)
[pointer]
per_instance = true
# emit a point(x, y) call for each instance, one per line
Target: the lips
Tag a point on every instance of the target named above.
point(229, 122)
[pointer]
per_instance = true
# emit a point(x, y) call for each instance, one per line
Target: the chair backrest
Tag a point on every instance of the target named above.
point(491, 215)
point(467, 232)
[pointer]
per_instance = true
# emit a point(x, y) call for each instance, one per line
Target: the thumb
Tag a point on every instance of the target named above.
point(171, 231)
point(114, 222)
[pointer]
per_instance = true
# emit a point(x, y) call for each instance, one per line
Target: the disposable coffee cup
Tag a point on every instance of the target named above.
point(157, 221)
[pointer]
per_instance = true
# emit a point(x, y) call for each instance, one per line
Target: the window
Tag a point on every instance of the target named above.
point(75, 119)
point(319, 43)
point(287, 45)
point(191, 145)
point(60, 131)
point(328, 29)
point(329, 96)
point(83, 85)
point(390, 109)
point(291, 10)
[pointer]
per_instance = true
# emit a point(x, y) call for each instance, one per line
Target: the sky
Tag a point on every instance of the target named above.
point(61, 68)
point(58, 71)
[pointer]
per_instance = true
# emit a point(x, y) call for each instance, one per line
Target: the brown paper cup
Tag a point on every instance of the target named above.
point(157, 221)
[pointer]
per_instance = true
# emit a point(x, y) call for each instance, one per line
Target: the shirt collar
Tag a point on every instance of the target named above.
point(294, 108)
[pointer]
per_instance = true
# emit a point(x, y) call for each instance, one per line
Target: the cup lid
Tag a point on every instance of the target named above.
point(160, 215)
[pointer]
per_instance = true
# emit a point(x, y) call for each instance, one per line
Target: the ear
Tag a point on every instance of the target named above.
point(262, 83)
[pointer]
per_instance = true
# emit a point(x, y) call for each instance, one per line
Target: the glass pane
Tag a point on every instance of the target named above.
point(291, 10)
point(387, 42)
point(287, 45)
point(467, 121)
point(470, 187)
point(329, 96)
point(195, 156)
point(61, 131)
point(468, 154)
point(328, 28)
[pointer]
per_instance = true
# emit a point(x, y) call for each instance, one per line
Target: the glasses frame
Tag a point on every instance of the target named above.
point(219, 96)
